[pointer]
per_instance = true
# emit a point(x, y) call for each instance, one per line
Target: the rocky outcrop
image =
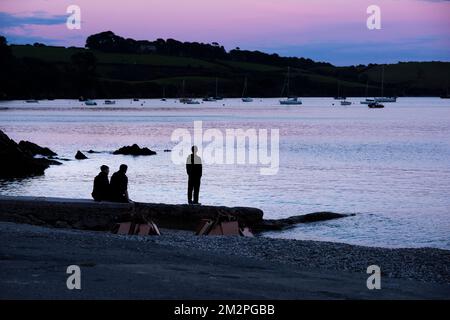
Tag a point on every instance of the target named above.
point(135, 150)
point(35, 149)
point(280, 224)
point(17, 162)
point(80, 156)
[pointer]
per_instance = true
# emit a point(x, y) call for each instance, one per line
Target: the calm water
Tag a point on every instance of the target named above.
point(391, 166)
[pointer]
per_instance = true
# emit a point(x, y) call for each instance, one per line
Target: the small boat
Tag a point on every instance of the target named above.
point(244, 91)
point(184, 99)
point(382, 98)
point(163, 99)
point(368, 101)
point(191, 101)
point(32, 101)
point(339, 96)
point(345, 103)
point(379, 99)
point(209, 99)
point(110, 102)
point(375, 105)
point(386, 99)
point(90, 103)
point(135, 99)
point(291, 101)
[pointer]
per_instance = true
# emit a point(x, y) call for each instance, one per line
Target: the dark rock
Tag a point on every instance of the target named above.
point(17, 162)
point(135, 150)
point(80, 156)
point(35, 149)
point(167, 150)
point(280, 224)
point(92, 151)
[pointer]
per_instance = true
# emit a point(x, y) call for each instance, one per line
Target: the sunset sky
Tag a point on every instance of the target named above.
point(326, 30)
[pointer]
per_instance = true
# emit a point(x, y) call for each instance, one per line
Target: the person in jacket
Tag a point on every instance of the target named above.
point(194, 172)
point(119, 185)
point(101, 190)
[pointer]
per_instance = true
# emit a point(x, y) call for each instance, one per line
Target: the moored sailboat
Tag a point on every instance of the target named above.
point(244, 91)
point(289, 100)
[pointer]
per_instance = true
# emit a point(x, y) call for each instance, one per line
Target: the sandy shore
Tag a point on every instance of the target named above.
point(178, 265)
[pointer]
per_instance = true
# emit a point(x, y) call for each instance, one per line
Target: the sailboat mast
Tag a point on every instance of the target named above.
point(382, 81)
point(245, 87)
point(288, 76)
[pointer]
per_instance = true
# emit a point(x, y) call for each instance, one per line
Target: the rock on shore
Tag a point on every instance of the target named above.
point(135, 150)
point(17, 162)
point(80, 156)
point(280, 224)
point(35, 149)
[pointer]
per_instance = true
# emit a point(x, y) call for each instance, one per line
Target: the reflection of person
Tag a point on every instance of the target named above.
point(194, 171)
point(119, 185)
point(101, 185)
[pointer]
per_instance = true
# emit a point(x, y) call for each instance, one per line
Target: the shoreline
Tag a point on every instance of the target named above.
point(179, 265)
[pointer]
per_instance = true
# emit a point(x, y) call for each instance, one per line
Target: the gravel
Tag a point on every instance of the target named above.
point(420, 264)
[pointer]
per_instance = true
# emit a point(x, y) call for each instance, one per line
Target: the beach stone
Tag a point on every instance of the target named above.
point(135, 150)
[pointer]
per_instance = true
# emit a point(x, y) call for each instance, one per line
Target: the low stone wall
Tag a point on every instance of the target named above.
point(92, 215)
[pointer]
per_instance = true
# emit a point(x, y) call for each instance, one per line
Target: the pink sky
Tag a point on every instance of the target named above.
point(331, 30)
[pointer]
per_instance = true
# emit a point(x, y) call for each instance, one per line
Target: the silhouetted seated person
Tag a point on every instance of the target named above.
point(101, 191)
point(194, 171)
point(119, 185)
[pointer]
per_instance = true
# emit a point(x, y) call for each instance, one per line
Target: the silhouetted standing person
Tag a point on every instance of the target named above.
point(194, 171)
point(101, 191)
point(119, 185)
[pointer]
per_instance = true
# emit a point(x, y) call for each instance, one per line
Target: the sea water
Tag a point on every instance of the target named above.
point(391, 166)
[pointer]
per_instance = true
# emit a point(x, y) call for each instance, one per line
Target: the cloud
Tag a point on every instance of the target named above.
point(8, 20)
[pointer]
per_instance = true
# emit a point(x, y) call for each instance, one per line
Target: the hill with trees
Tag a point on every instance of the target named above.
point(111, 66)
